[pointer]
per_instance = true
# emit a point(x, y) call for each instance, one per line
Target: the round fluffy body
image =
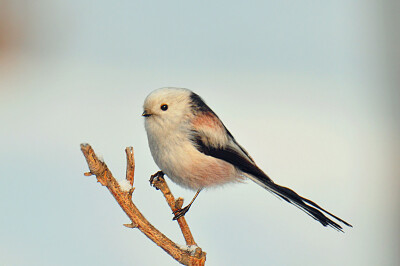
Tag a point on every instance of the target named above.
point(172, 136)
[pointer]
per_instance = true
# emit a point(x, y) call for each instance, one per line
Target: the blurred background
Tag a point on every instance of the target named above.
point(309, 88)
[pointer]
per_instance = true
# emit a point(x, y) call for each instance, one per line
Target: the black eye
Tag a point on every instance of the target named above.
point(164, 107)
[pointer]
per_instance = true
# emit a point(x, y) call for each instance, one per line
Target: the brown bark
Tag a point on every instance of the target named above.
point(124, 199)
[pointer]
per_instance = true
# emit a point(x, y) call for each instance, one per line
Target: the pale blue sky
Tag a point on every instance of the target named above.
point(302, 86)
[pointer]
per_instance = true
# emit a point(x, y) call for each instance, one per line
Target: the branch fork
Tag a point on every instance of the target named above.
point(123, 195)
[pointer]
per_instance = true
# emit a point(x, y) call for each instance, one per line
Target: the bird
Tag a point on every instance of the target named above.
point(191, 145)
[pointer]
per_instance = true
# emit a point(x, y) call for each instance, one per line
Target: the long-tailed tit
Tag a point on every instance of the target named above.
point(191, 145)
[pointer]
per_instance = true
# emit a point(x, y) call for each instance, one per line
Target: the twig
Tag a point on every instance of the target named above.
point(158, 181)
point(130, 165)
point(124, 199)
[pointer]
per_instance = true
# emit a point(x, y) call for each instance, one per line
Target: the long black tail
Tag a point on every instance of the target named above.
point(304, 204)
point(237, 156)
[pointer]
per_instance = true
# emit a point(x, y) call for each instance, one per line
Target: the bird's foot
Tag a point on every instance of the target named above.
point(156, 177)
point(181, 212)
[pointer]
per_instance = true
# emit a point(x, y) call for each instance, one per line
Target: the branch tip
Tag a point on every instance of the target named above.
point(131, 225)
point(129, 150)
point(84, 145)
point(130, 165)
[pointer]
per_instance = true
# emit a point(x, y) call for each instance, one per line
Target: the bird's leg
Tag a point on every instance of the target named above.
point(156, 177)
point(181, 212)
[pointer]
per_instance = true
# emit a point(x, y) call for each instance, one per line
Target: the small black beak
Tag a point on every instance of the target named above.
point(145, 114)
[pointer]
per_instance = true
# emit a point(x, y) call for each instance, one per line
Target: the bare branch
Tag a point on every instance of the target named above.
point(158, 181)
point(124, 199)
point(130, 165)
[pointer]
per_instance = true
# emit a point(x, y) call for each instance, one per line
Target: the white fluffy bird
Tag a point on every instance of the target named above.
point(191, 145)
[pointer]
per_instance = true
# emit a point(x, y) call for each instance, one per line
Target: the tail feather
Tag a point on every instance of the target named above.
point(306, 205)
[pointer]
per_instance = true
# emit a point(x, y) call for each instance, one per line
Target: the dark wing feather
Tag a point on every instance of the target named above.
point(231, 156)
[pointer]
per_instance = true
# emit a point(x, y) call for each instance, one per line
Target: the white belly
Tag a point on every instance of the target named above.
point(185, 165)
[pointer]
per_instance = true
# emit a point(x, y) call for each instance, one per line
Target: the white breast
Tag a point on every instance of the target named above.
point(176, 156)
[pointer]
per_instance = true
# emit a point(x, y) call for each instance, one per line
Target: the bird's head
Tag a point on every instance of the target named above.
point(167, 108)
